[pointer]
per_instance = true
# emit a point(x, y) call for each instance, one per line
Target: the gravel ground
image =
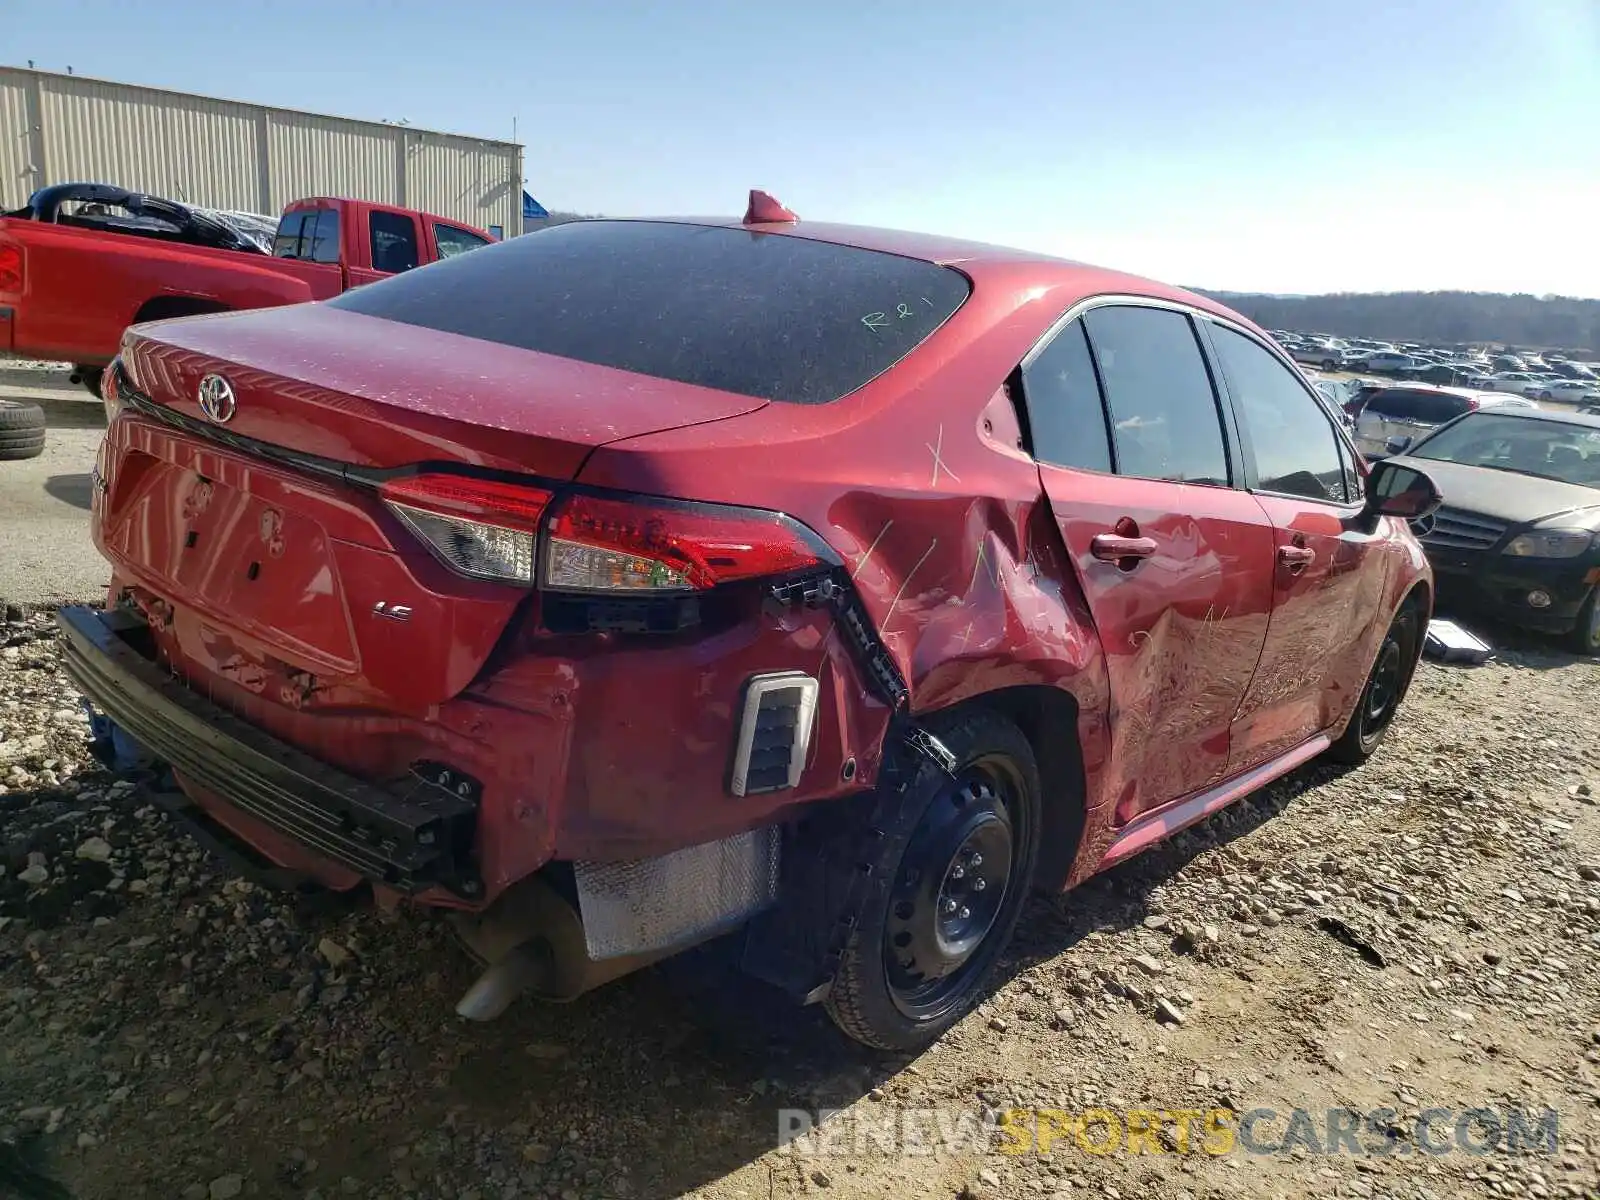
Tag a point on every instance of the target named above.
point(167, 1030)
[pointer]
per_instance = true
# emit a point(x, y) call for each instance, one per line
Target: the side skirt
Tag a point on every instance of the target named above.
point(1158, 825)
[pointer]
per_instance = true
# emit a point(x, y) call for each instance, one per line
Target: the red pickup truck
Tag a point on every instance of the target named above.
point(81, 262)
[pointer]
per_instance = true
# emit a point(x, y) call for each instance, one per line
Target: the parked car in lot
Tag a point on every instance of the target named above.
point(1570, 391)
point(1522, 383)
point(1387, 363)
point(1316, 354)
point(1518, 534)
point(83, 261)
point(1452, 374)
point(634, 581)
point(1411, 411)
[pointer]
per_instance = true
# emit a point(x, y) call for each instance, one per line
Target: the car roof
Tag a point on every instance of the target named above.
point(978, 260)
point(1587, 420)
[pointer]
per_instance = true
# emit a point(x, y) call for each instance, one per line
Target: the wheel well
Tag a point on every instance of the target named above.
point(1048, 718)
point(1419, 598)
point(162, 307)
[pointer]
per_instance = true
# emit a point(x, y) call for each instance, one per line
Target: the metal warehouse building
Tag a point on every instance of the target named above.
point(247, 157)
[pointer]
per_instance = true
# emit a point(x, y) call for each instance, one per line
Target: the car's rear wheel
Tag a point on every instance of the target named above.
point(1384, 689)
point(21, 430)
point(1328, 364)
point(946, 890)
point(1585, 635)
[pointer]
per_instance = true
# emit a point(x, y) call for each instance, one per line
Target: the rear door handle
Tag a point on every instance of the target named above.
point(1114, 547)
point(1296, 556)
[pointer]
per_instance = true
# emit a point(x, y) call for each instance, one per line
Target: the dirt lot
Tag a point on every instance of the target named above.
point(168, 1031)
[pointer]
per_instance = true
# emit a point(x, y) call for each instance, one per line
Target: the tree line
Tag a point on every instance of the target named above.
point(1533, 322)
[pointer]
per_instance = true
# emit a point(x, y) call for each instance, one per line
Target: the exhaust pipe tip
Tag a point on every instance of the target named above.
point(500, 985)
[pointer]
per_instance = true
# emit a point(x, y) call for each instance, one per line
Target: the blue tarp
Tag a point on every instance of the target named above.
point(532, 210)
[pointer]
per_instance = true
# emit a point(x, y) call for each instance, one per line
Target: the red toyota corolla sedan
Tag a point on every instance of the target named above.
point(637, 581)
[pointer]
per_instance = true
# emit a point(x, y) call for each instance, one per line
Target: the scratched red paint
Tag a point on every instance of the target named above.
point(973, 561)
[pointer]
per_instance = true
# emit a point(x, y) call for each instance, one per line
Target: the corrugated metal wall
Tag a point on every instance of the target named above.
point(61, 128)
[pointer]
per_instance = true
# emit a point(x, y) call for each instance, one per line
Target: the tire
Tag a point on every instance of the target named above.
point(913, 967)
point(1328, 364)
point(1585, 636)
point(1381, 695)
point(90, 378)
point(21, 430)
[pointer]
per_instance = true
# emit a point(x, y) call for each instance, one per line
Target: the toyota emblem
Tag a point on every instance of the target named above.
point(217, 400)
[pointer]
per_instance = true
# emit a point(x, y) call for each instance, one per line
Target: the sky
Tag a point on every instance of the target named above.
point(1251, 145)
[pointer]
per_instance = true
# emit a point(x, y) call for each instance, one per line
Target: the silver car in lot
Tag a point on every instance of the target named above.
point(1393, 418)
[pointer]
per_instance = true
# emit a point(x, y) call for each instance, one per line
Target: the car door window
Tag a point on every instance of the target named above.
point(1066, 415)
point(322, 233)
point(311, 235)
point(1290, 436)
point(1165, 420)
point(453, 241)
point(286, 242)
point(394, 242)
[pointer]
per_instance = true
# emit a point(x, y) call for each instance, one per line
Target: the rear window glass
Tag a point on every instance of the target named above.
point(1434, 408)
point(760, 314)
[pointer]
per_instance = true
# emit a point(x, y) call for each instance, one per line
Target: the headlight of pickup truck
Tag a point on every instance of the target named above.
point(1551, 543)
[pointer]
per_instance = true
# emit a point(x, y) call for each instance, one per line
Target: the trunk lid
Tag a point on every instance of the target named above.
point(377, 393)
point(288, 577)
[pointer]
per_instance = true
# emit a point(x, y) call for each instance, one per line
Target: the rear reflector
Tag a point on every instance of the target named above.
point(477, 527)
point(593, 544)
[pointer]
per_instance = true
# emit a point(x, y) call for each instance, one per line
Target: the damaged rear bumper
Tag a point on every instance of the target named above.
point(413, 841)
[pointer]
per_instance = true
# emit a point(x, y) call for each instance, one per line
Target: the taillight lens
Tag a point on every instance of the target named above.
point(10, 267)
point(598, 544)
point(108, 389)
point(479, 527)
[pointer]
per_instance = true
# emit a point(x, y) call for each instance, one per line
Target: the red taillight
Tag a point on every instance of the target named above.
point(478, 527)
point(597, 544)
point(10, 267)
point(108, 389)
point(489, 529)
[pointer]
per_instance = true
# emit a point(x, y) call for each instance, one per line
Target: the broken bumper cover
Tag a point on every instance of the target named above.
point(412, 842)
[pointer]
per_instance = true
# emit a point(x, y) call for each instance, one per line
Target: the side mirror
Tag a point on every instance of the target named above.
point(1398, 444)
point(1395, 490)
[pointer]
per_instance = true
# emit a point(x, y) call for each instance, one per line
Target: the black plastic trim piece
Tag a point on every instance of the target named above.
point(411, 842)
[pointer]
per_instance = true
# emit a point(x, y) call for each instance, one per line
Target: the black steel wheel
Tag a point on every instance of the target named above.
point(950, 878)
point(1385, 688)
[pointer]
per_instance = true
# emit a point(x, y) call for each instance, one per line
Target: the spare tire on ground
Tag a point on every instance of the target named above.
point(21, 430)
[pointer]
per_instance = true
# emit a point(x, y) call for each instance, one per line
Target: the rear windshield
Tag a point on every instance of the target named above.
point(1434, 408)
point(760, 314)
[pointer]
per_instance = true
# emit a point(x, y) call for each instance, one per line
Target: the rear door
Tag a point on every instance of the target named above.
point(311, 236)
point(1175, 562)
point(1327, 587)
point(393, 245)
